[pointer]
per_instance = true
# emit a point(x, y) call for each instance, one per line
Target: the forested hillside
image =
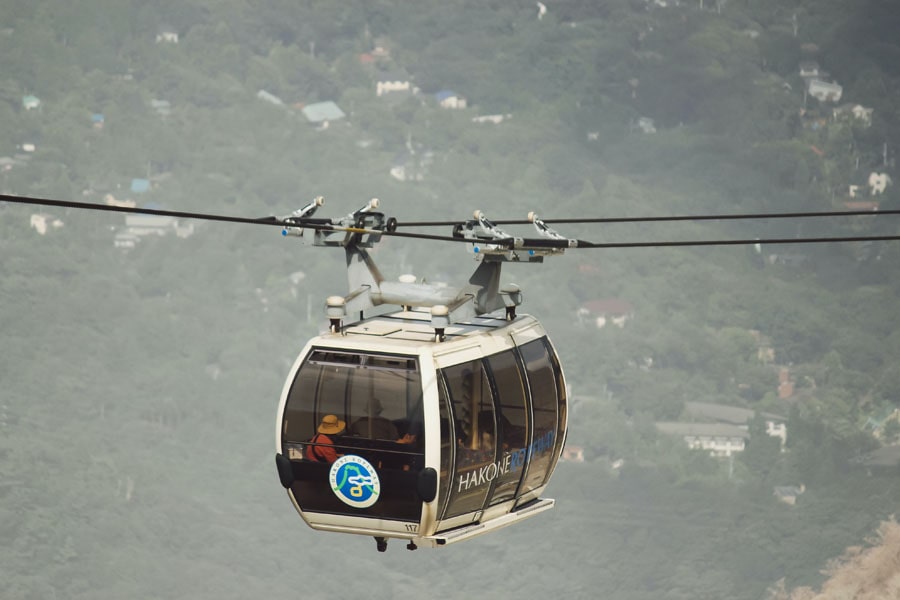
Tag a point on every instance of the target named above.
point(140, 374)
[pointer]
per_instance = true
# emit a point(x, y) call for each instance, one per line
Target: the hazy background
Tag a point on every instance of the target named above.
point(138, 386)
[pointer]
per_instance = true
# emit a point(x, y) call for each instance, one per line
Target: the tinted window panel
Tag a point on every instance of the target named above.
point(563, 403)
point(448, 447)
point(384, 394)
point(472, 405)
point(513, 424)
point(542, 383)
point(299, 416)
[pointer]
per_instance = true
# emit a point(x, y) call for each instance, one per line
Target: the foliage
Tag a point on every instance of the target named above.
point(138, 387)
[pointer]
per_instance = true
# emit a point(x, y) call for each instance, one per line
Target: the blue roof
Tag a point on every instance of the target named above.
point(139, 186)
point(444, 94)
point(97, 118)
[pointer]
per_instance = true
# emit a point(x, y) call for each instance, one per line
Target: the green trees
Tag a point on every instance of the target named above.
point(135, 433)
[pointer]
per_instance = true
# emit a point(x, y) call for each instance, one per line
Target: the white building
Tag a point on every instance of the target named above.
point(824, 91)
point(719, 439)
point(878, 182)
point(140, 225)
point(495, 119)
point(167, 37)
point(42, 222)
point(269, 97)
point(854, 111)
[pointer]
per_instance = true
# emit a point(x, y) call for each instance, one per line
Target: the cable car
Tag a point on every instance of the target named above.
point(437, 416)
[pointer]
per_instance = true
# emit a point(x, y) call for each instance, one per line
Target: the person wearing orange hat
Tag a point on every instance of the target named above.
point(321, 447)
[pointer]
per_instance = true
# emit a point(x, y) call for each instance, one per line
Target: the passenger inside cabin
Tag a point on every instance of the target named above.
point(321, 447)
point(414, 430)
point(374, 426)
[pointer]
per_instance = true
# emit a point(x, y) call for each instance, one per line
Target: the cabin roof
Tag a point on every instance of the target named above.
point(412, 328)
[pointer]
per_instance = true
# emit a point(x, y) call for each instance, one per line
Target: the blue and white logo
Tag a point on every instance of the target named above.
point(354, 481)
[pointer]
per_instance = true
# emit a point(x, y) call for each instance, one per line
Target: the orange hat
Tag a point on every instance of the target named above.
point(331, 425)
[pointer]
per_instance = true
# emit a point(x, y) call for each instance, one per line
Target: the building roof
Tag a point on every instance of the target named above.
point(393, 76)
point(703, 429)
point(609, 306)
point(824, 85)
point(139, 186)
point(725, 414)
point(872, 205)
point(269, 97)
point(323, 111)
point(888, 456)
point(415, 325)
point(788, 491)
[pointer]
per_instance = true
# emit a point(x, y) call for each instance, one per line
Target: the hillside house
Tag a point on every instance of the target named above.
point(140, 186)
point(323, 113)
point(167, 36)
point(42, 222)
point(603, 312)
point(572, 454)
point(765, 353)
point(97, 120)
point(876, 423)
point(450, 100)
point(785, 383)
point(886, 457)
point(269, 97)
point(125, 240)
point(161, 107)
point(110, 200)
point(788, 259)
point(824, 91)
point(878, 182)
point(411, 167)
point(853, 111)
point(381, 51)
point(495, 119)
point(719, 439)
point(810, 70)
point(30, 102)
point(871, 205)
point(735, 415)
point(140, 225)
point(789, 493)
point(393, 83)
point(646, 125)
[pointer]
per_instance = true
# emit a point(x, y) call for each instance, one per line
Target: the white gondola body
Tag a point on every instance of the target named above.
point(463, 475)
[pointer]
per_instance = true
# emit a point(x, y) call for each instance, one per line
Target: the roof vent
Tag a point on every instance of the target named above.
point(512, 297)
point(440, 320)
point(336, 309)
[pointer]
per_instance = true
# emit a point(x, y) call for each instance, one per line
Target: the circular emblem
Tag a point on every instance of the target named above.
point(354, 481)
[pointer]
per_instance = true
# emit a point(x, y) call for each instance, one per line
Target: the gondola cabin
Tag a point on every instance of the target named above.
point(438, 414)
point(425, 440)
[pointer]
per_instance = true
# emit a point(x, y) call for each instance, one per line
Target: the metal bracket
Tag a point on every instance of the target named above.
point(491, 243)
point(545, 231)
point(361, 228)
